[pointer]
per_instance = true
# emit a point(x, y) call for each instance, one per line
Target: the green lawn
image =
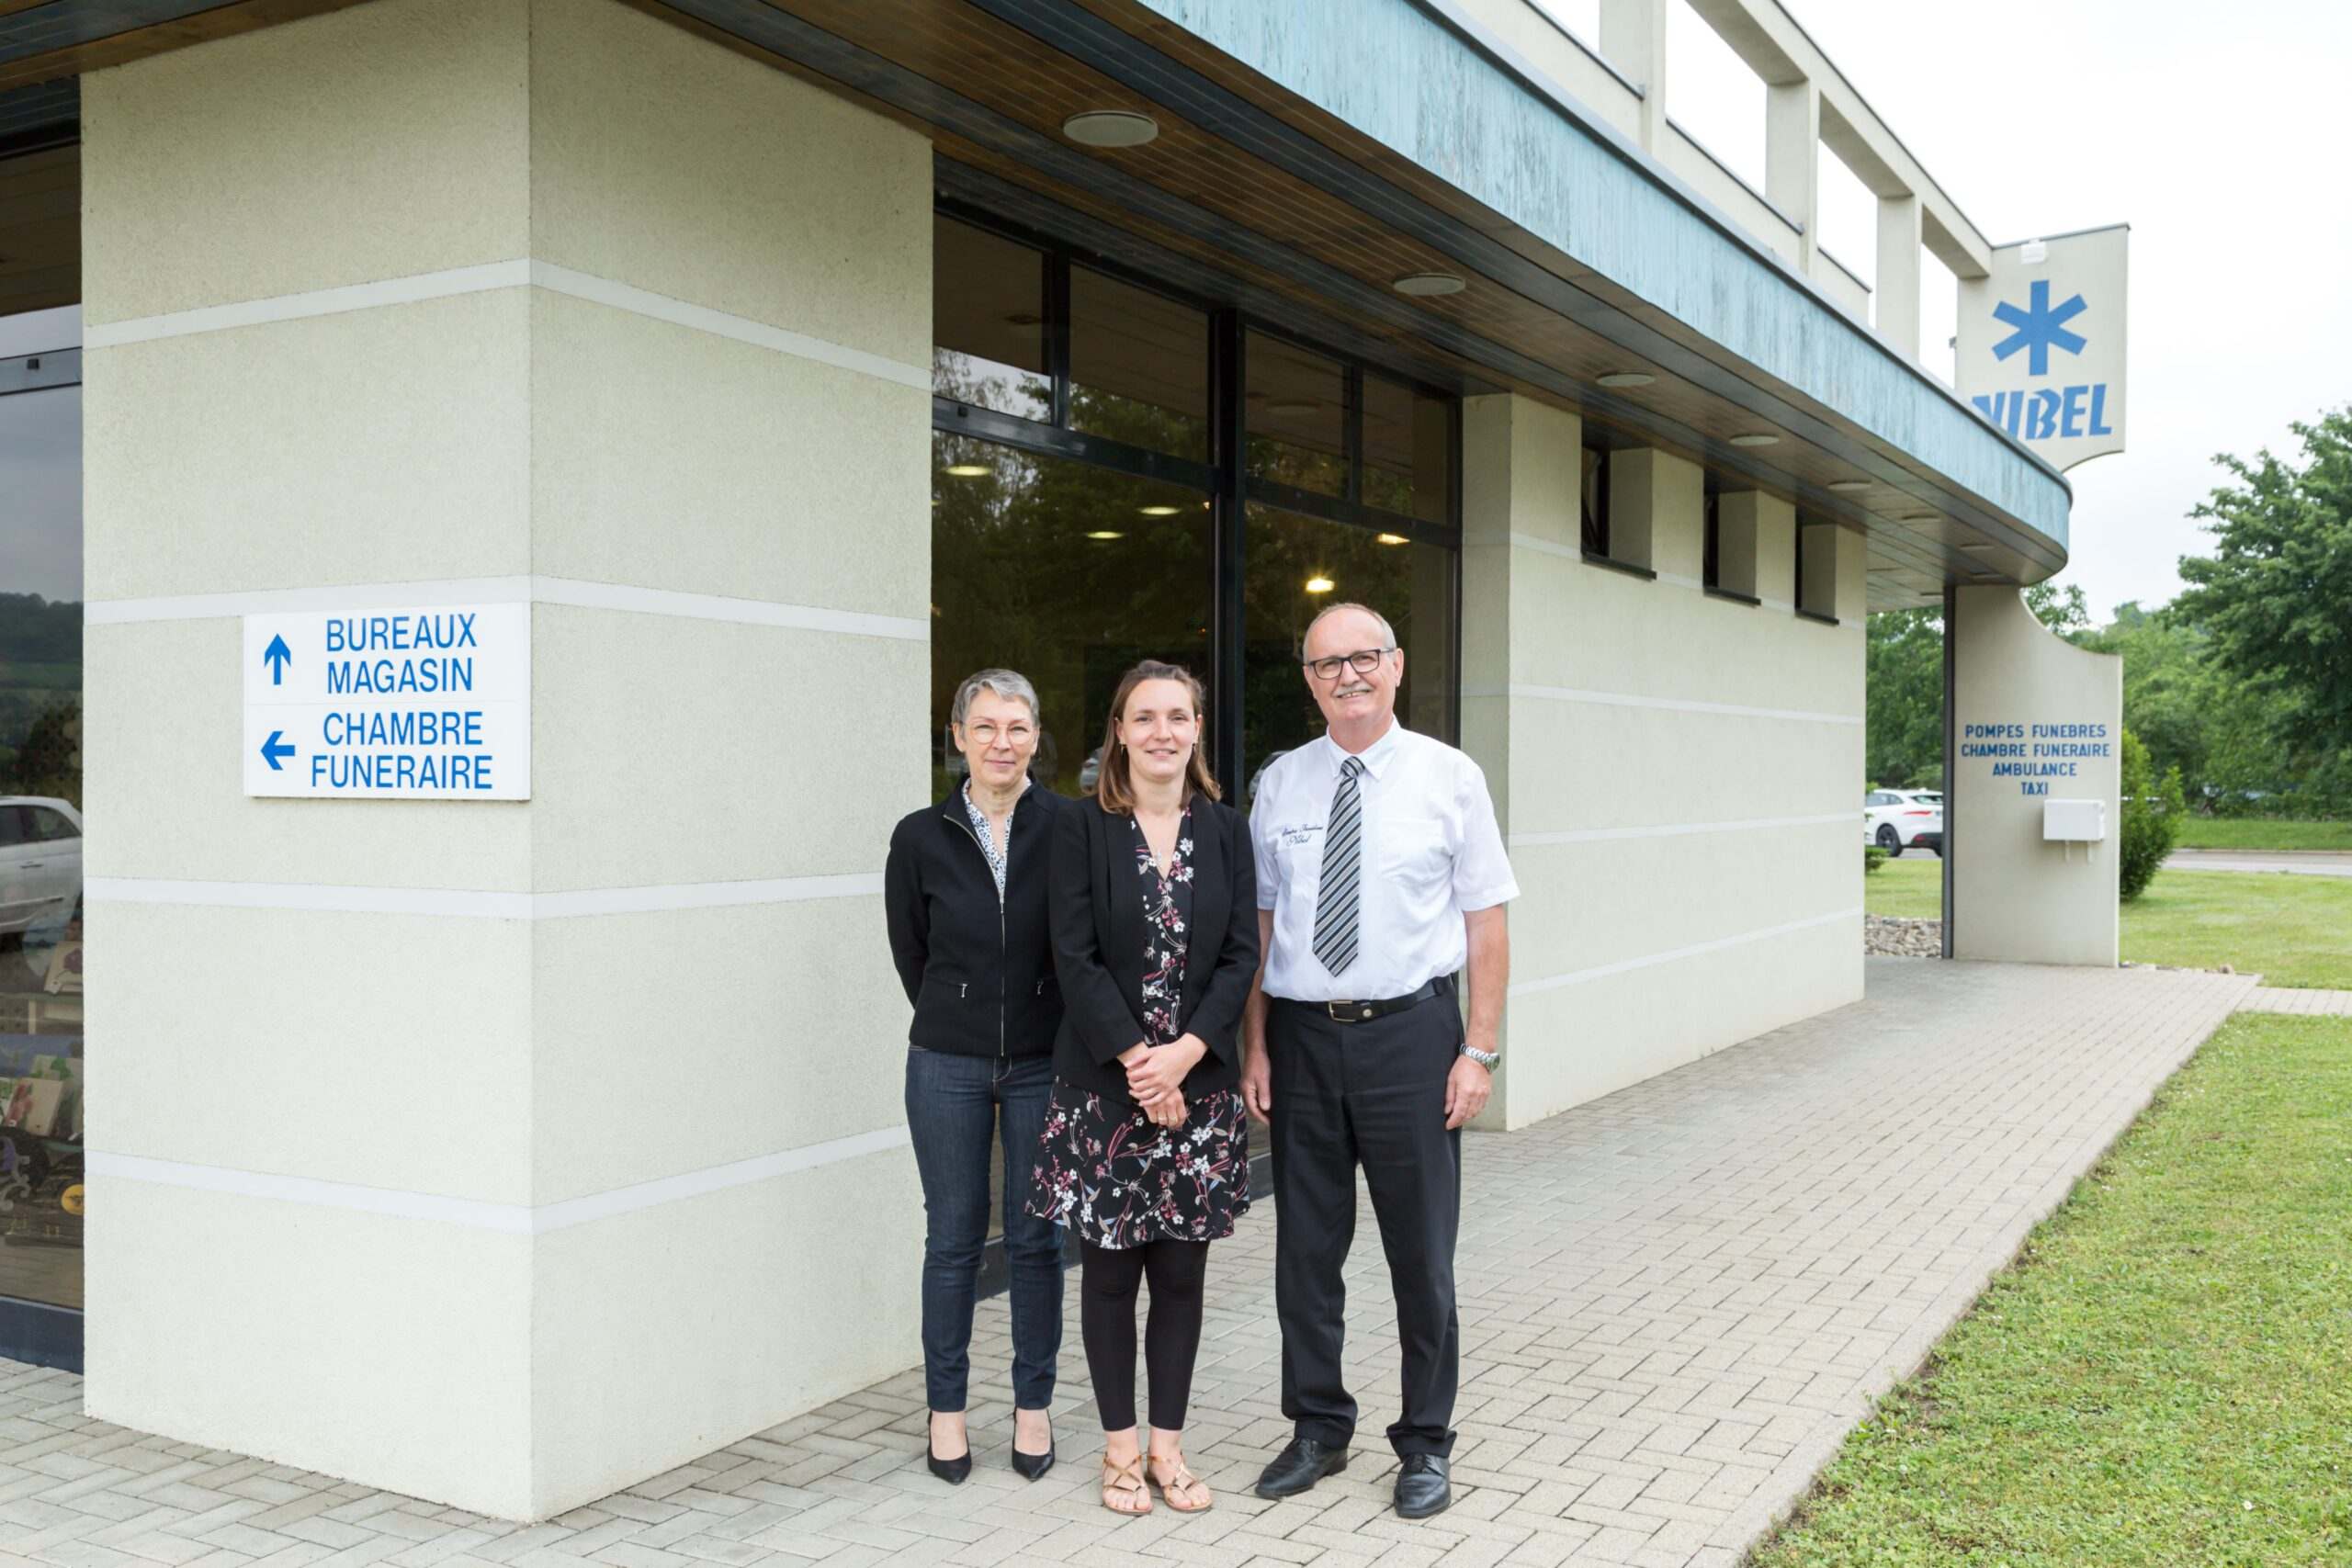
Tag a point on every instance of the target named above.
point(2161, 1379)
point(2255, 833)
point(2294, 930)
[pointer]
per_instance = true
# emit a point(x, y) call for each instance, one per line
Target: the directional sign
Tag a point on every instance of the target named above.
point(431, 704)
point(2041, 339)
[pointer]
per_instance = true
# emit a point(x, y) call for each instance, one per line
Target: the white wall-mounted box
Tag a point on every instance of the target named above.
point(2073, 821)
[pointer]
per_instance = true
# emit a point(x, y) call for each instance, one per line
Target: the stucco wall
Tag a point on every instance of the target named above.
point(1680, 772)
point(2017, 897)
point(494, 1152)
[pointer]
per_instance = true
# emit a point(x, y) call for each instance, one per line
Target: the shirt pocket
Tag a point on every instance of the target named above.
point(1413, 851)
point(1298, 853)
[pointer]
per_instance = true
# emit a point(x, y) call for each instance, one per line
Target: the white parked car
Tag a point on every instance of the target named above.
point(1900, 819)
point(41, 861)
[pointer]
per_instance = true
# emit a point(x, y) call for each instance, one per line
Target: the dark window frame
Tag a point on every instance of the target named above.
point(1225, 476)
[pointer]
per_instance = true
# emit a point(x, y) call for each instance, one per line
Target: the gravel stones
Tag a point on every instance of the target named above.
point(1886, 937)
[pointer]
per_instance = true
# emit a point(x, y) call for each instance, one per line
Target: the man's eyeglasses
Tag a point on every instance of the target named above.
point(1364, 660)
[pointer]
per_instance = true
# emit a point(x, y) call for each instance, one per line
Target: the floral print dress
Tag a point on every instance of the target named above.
point(1106, 1169)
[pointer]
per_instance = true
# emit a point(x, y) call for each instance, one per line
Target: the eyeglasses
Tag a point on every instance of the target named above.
point(1364, 660)
point(985, 732)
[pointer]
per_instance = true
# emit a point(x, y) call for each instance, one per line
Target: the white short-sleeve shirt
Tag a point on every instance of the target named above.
point(1431, 854)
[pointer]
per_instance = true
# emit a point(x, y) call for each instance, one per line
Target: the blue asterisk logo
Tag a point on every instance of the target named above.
point(2039, 328)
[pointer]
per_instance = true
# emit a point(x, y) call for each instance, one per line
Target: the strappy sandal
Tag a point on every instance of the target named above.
point(1183, 1491)
point(1124, 1482)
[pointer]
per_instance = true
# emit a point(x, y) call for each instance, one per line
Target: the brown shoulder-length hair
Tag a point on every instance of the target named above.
point(1112, 789)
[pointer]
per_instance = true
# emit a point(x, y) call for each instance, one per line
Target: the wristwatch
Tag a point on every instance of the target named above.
point(1485, 1059)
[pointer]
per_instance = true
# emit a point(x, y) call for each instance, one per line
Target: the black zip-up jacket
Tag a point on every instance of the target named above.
point(980, 974)
point(1098, 945)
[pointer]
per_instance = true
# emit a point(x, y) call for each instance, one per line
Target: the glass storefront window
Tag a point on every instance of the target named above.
point(1408, 451)
point(1138, 367)
point(40, 814)
point(1292, 566)
point(1067, 573)
point(988, 321)
point(1299, 417)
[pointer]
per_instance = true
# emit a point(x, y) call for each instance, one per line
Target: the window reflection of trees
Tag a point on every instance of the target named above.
point(1412, 584)
point(1017, 581)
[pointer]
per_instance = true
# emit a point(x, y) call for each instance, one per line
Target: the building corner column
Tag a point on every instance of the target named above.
point(491, 1152)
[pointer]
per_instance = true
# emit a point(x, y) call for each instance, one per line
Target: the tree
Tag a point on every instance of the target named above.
point(2274, 595)
point(2152, 814)
point(1902, 737)
point(2063, 610)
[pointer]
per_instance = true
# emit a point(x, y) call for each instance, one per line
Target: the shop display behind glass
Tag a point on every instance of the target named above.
point(41, 1195)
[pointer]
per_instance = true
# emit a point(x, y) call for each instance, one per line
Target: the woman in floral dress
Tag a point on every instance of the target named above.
point(1154, 910)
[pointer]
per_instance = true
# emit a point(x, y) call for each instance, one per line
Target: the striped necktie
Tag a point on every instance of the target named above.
point(1337, 899)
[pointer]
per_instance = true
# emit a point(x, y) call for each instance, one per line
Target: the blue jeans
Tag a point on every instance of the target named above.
point(953, 1104)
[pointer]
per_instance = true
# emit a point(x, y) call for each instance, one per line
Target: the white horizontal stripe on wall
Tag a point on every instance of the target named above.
point(1668, 831)
point(485, 277)
point(510, 1219)
point(326, 898)
point(1553, 983)
point(577, 593)
point(1668, 705)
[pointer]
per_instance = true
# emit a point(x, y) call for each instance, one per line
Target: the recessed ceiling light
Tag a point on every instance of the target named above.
point(1918, 517)
point(1156, 511)
point(1627, 379)
point(1847, 487)
point(1106, 533)
point(1293, 405)
point(1111, 128)
point(1321, 585)
point(968, 470)
point(1392, 539)
point(1428, 285)
point(1756, 438)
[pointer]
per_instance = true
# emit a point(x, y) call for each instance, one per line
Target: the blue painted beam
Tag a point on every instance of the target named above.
point(1420, 78)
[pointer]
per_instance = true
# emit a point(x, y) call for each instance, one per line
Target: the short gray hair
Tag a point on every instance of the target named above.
point(1010, 685)
point(1387, 632)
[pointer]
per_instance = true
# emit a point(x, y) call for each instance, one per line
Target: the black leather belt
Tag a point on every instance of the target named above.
point(1365, 1011)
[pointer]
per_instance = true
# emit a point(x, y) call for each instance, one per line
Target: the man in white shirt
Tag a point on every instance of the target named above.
point(1381, 876)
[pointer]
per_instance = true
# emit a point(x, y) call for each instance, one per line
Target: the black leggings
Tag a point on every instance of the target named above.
point(1170, 1338)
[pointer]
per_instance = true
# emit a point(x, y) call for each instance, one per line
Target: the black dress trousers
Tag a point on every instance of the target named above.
point(1370, 1093)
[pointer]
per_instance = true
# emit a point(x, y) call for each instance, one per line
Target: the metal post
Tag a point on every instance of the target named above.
point(1229, 647)
point(1951, 687)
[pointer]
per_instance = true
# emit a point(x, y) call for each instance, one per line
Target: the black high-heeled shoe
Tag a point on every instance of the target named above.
point(1033, 1465)
point(951, 1471)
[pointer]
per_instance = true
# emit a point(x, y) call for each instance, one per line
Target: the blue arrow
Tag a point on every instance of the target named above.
point(271, 750)
point(277, 656)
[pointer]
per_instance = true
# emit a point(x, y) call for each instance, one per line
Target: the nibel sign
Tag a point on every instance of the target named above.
point(2041, 339)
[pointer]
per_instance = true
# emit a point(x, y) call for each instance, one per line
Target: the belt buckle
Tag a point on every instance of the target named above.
point(1349, 1011)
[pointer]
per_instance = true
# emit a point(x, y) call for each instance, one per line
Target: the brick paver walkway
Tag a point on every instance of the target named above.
point(1675, 1301)
point(2316, 1004)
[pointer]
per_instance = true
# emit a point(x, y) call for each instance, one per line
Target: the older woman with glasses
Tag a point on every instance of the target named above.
point(965, 895)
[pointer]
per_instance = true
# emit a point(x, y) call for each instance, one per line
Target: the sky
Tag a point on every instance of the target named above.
point(2217, 133)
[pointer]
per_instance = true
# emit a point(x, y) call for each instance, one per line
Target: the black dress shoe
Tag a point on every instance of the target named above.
point(1423, 1488)
point(1035, 1465)
point(1300, 1466)
point(951, 1471)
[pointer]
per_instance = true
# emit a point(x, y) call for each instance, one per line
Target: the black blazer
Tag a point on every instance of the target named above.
point(1099, 940)
point(981, 980)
